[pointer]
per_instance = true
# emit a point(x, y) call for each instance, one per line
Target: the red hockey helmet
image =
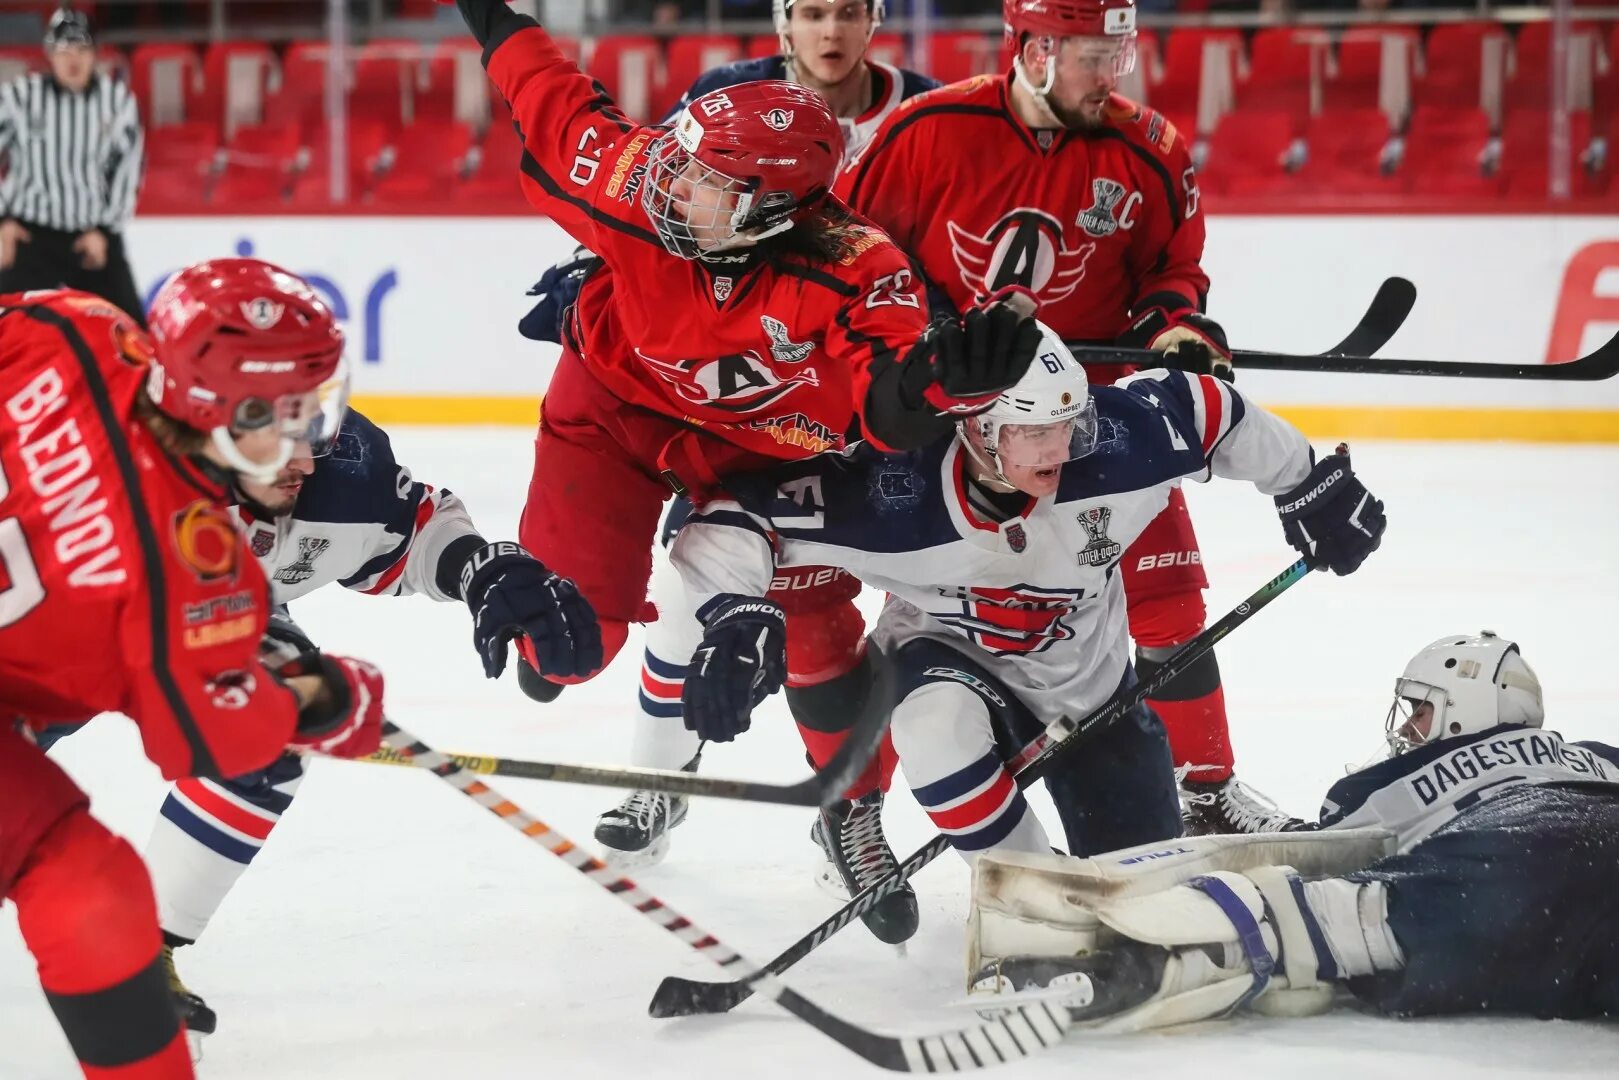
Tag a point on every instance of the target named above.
point(1114, 20)
point(242, 344)
point(740, 164)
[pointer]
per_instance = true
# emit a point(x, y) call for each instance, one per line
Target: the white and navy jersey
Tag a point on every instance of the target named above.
point(72, 160)
point(1416, 792)
point(890, 86)
point(362, 521)
point(1039, 595)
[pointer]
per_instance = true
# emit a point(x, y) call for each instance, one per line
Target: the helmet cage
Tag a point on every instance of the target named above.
point(703, 223)
point(1507, 693)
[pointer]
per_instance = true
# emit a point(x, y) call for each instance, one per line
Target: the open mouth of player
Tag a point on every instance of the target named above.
point(1049, 472)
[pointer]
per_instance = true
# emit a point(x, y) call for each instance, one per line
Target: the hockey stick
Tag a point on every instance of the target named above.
point(1022, 1032)
point(677, 996)
point(1384, 316)
point(824, 788)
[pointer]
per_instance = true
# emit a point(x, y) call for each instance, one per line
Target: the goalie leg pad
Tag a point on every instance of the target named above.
point(1352, 922)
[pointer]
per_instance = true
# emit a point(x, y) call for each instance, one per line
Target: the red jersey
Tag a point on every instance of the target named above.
point(124, 583)
point(1094, 222)
point(776, 358)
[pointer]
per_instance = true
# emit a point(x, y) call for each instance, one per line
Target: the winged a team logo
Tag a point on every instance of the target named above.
point(1025, 247)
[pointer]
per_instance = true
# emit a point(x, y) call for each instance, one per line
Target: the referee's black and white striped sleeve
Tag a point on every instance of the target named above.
point(127, 145)
point(10, 147)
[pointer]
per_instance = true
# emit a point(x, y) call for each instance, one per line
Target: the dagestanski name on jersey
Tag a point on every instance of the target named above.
point(1528, 749)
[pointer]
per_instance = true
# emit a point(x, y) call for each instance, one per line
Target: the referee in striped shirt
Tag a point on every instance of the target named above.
point(71, 142)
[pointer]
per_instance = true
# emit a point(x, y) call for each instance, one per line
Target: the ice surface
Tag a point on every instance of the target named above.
point(394, 929)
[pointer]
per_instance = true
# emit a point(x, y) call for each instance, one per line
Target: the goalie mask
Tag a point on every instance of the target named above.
point(740, 164)
point(1046, 420)
point(1469, 684)
point(1107, 29)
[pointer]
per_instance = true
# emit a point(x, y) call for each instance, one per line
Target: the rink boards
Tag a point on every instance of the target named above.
point(431, 306)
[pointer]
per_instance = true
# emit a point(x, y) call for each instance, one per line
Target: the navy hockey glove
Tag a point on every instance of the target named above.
point(1189, 340)
point(1331, 519)
point(557, 289)
point(511, 592)
point(970, 361)
point(742, 660)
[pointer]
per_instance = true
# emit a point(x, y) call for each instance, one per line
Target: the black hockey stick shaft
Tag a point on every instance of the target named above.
point(1022, 1032)
point(824, 788)
point(678, 996)
point(1383, 318)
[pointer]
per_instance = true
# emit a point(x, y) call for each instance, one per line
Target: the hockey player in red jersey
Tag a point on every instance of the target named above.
point(742, 315)
point(125, 587)
point(1046, 179)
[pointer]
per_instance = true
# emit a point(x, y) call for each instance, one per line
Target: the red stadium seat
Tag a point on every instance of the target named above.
point(311, 179)
point(1181, 90)
point(386, 76)
point(1529, 79)
point(689, 57)
point(300, 100)
point(493, 180)
point(1284, 66)
point(1526, 155)
point(958, 55)
point(631, 68)
point(180, 164)
point(238, 77)
point(887, 49)
point(258, 163)
point(19, 60)
point(426, 159)
point(1372, 68)
point(166, 79)
point(1149, 68)
point(1443, 153)
point(762, 45)
point(1345, 148)
point(1246, 153)
point(1465, 65)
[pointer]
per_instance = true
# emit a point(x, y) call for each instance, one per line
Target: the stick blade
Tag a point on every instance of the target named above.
point(676, 997)
point(1602, 363)
point(1387, 313)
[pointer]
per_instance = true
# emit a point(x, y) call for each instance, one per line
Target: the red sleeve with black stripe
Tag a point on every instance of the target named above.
point(572, 132)
point(1173, 277)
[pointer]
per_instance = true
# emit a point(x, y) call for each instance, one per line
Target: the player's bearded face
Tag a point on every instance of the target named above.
point(1088, 70)
point(828, 41)
point(279, 495)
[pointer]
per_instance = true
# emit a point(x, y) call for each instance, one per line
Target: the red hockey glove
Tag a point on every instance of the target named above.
point(347, 722)
point(1189, 340)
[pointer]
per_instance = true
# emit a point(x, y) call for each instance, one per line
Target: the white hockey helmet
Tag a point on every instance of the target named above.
point(1473, 682)
point(782, 10)
point(1048, 418)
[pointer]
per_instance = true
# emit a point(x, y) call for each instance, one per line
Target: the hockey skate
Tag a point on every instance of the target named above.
point(194, 1012)
point(1210, 807)
point(858, 856)
point(634, 835)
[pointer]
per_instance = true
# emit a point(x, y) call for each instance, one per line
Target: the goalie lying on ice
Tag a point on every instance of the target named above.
point(1471, 871)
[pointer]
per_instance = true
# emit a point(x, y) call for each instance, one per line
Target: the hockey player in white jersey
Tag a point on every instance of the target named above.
point(359, 519)
point(1497, 897)
point(999, 550)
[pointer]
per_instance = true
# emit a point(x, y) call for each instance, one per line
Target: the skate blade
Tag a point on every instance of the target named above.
point(634, 861)
point(194, 1044)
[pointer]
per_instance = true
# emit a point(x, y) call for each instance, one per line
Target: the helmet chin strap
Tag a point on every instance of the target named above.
point(986, 462)
point(258, 472)
point(1039, 94)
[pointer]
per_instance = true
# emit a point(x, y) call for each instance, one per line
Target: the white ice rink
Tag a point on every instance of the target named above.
point(393, 929)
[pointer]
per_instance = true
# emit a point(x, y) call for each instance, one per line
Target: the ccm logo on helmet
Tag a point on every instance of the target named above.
point(1310, 496)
